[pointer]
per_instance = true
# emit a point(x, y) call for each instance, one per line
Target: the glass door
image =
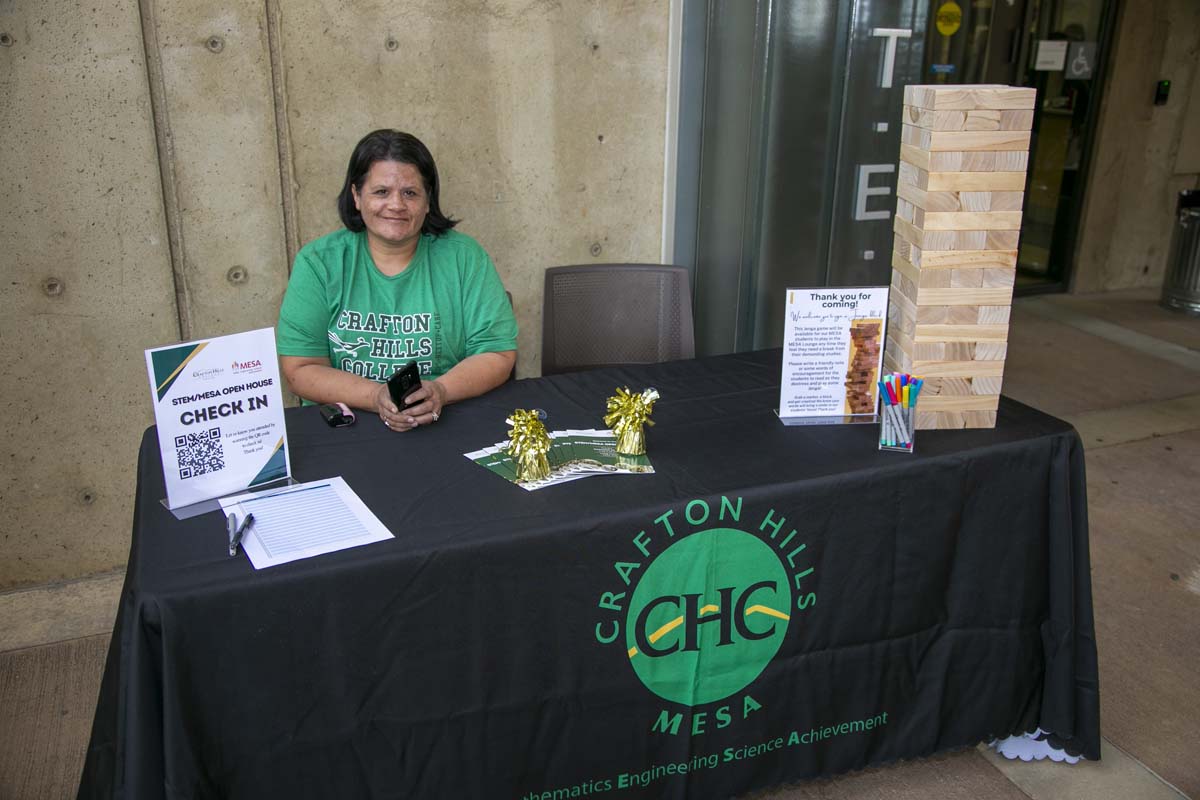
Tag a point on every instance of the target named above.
point(789, 133)
point(1056, 46)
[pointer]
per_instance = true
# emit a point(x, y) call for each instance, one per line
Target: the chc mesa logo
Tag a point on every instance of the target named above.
point(707, 616)
point(703, 607)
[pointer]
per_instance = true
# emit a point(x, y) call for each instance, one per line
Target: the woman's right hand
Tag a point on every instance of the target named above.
point(388, 412)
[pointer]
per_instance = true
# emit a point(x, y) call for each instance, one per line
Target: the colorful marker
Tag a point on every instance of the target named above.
point(898, 394)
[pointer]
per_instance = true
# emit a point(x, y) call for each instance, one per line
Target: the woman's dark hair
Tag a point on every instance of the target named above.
point(390, 145)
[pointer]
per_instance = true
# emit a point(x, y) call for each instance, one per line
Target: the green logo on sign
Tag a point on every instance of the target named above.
point(708, 616)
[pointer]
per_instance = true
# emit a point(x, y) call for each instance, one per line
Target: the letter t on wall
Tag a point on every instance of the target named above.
point(889, 52)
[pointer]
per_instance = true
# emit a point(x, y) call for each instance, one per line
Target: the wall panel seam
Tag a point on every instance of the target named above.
point(671, 143)
point(166, 158)
point(283, 136)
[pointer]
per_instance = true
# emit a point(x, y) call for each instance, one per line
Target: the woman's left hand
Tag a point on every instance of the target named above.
point(425, 408)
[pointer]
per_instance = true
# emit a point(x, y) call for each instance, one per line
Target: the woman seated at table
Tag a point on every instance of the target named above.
point(395, 285)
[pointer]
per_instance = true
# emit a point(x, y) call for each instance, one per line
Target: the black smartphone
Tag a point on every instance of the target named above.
point(337, 415)
point(404, 382)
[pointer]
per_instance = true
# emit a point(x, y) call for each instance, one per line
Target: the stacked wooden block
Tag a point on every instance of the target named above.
point(963, 155)
point(860, 376)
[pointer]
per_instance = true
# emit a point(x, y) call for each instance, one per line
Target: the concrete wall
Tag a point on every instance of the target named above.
point(164, 159)
point(547, 121)
point(87, 282)
point(1134, 177)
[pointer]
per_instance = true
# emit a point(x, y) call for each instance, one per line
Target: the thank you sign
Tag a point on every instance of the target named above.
point(832, 352)
point(219, 411)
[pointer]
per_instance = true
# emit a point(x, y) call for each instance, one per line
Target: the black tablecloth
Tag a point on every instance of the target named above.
point(917, 603)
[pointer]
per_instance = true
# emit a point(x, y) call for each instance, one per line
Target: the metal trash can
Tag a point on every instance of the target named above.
point(1181, 286)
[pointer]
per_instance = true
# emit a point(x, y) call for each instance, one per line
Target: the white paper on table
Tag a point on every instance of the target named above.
point(304, 520)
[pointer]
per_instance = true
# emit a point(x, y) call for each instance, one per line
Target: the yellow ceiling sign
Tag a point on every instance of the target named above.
point(949, 18)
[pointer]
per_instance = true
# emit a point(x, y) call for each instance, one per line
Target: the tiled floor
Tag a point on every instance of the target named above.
point(1125, 372)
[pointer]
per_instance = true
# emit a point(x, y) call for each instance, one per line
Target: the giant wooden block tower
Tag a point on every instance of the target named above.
point(963, 155)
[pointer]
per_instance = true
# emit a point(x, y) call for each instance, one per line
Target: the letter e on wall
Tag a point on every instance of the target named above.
point(865, 190)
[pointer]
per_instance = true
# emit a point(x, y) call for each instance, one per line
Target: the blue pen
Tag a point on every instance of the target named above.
point(885, 419)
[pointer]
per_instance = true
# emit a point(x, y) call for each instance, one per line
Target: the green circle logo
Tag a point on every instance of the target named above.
point(707, 616)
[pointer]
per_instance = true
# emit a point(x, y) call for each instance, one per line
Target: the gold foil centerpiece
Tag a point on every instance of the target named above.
point(627, 414)
point(528, 445)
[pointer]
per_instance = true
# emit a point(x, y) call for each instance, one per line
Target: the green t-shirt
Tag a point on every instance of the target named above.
point(446, 305)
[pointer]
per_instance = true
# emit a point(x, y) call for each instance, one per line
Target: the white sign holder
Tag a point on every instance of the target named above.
point(219, 411)
point(833, 342)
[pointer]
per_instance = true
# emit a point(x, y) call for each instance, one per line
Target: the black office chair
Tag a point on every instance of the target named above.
point(602, 315)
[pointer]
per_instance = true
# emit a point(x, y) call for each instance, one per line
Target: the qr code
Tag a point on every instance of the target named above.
point(199, 453)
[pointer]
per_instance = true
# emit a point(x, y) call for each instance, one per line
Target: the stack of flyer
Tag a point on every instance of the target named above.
point(573, 454)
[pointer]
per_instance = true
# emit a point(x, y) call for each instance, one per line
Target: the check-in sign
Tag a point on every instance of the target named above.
point(219, 411)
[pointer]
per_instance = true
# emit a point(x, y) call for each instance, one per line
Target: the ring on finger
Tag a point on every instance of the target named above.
point(435, 415)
